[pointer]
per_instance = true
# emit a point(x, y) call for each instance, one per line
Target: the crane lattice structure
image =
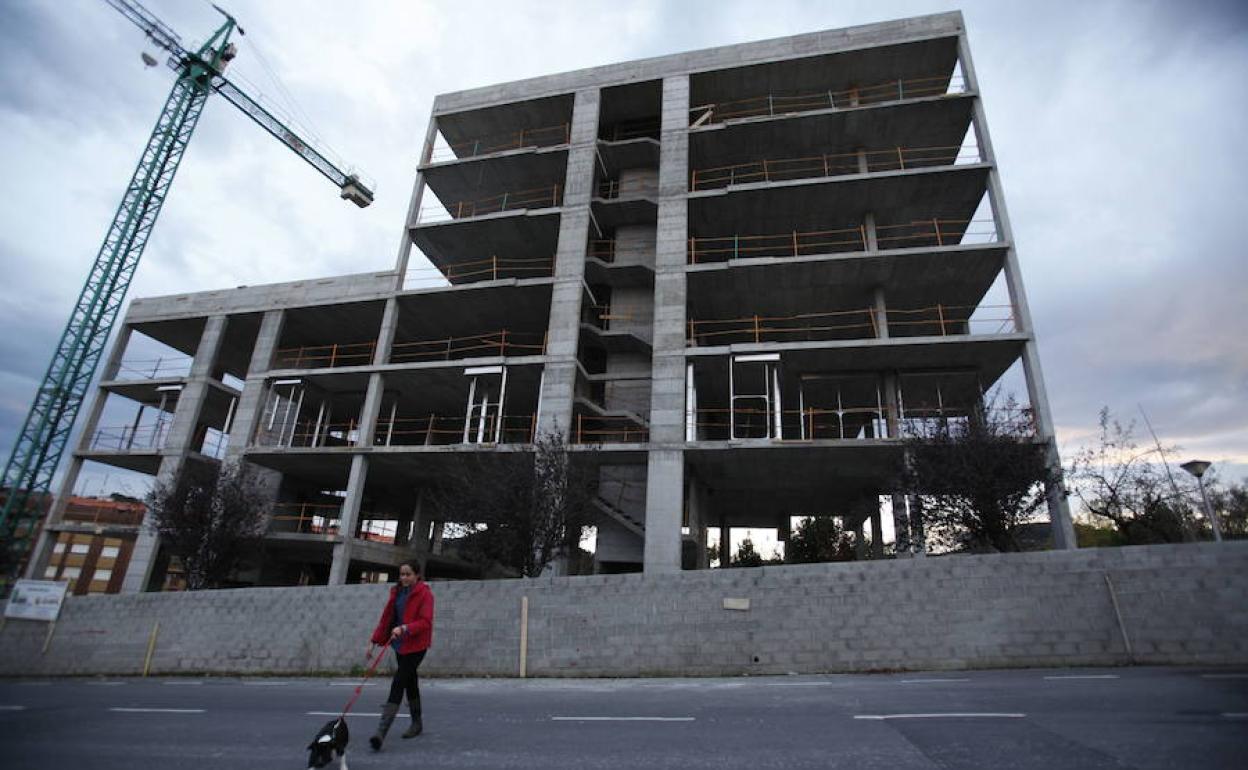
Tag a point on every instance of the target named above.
point(37, 451)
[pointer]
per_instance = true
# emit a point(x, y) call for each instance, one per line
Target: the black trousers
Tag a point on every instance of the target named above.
point(406, 680)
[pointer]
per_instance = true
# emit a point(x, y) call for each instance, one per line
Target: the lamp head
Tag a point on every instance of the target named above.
point(1196, 467)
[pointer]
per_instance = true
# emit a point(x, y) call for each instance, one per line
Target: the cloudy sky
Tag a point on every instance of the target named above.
point(1119, 129)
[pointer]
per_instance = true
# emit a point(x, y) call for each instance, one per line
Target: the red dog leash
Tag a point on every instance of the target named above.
point(367, 675)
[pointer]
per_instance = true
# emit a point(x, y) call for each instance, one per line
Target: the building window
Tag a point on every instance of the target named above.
point(71, 573)
point(102, 574)
point(79, 548)
point(50, 572)
point(59, 548)
point(109, 552)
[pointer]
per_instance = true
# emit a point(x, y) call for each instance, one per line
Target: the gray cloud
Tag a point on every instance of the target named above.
point(1117, 126)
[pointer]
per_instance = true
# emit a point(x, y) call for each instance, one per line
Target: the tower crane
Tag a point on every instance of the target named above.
point(41, 442)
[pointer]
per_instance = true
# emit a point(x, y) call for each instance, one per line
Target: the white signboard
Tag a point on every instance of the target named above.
point(36, 599)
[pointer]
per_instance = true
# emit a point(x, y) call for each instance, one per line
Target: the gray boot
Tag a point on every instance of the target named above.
point(388, 712)
point(416, 728)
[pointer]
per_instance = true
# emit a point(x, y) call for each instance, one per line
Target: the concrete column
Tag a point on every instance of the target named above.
point(348, 520)
point(370, 409)
point(698, 514)
point(877, 532)
point(563, 330)
point(413, 207)
point(419, 524)
point(918, 533)
point(1059, 509)
point(385, 337)
point(725, 540)
point(664, 486)
point(664, 481)
point(435, 538)
point(178, 445)
point(881, 314)
point(183, 431)
point(41, 554)
point(901, 527)
point(869, 230)
point(251, 403)
point(112, 367)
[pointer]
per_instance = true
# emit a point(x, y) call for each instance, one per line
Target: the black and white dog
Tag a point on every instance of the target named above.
point(331, 738)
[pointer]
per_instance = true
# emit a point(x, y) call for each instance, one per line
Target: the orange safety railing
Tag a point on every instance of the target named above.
point(814, 166)
point(782, 104)
point(857, 323)
point(546, 136)
point(377, 529)
point(442, 430)
point(499, 343)
point(125, 438)
point(791, 244)
point(594, 429)
point(854, 323)
point(306, 518)
point(538, 197)
point(798, 243)
point(310, 433)
point(325, 356)
point(154, 368)
point(945, 320)
point(602, 315)
point(105, 513)
point(637, 187)
point(491, 269)
point(852, 422)
point(936, 232)
point(602, 250)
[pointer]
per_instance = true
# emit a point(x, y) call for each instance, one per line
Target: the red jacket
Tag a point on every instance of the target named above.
point(417, 620)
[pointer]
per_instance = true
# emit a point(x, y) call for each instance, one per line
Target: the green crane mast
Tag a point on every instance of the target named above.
point(41, 442)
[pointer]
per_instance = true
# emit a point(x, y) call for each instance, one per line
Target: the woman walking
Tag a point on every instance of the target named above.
point(406, 625)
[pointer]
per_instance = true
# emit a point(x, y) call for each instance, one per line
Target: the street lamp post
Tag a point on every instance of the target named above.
point(1197, 468)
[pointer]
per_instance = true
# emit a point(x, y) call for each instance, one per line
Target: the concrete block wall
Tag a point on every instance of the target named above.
point(1185, 604)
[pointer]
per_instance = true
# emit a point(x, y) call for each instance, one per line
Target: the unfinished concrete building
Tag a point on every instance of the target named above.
point(736, 275)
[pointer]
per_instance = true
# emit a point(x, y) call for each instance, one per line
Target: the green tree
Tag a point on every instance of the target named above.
point(746, 556)
point(210, 517)
point(978, 478)
point(1118, 481)
point(524, 509)
point(819, 539)
point(1231, 505)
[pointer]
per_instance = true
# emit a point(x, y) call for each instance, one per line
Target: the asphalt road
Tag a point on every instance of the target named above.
point(1072, 718)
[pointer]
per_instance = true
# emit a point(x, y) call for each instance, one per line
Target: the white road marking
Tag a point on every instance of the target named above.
point(155, 711)
point(1224, 676)
point(12, 708)
point(1236, 715)
point(799, 684)
point(1084, 676)
point(351, 684)
point(622, 719)
point(950, 715)
point(370, 714)
point(931, 681)
point(176, 683)
point(106, 684)
point(265, 684)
